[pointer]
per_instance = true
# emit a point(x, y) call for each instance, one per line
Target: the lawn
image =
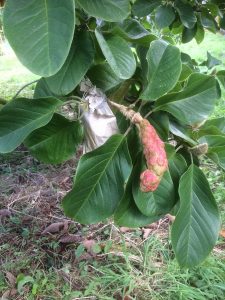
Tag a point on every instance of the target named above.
point(69, 261)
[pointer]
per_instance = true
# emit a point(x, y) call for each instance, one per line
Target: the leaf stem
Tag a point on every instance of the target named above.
point(23, 87)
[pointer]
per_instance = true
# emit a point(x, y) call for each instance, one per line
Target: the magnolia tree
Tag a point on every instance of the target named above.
point(113, 80)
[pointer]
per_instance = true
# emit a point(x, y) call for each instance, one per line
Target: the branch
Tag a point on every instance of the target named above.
point(133, 116)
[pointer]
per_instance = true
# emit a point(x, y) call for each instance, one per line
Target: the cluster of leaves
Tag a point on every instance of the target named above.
point(126, 48)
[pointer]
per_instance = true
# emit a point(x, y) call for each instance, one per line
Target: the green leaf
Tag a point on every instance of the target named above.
point(127, 213)
point(160, 121)
point(109, 10)
point(200, 33)
point(99, 182)
point(164, 68)
point(219, 123)
point(211, 61)
point(133, 31)
point(21, 116)
point(182, 132)
point(221, 76)
point(103, 77)
point(186, 13)
point(195, 102)
point(55, 142)
point(40, 32)
point(42, 90)
point(78, 62)
point(164, 16)
point(118, 54)
point(185, 73)
point(177, 167)
point(208, 22)
point(188, 34)
point(155, 203)
point(22, 280)
point(142, 8)
point(195, 230)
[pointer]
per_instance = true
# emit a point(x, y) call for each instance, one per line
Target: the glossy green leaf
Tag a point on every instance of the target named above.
point(78, 62)
point(177, 167)
point(133, 31)
point(127, 213)
point(55, 142)
point(40, 32)
point(185, 73)
point(186, 13)
point(164, 16)
point(142, 8)
point(164, 68)
point(99, 182)
point(219, 123)
point(208, 22)
point(118, 54)
point(195, 102)
point(21, 116)
point(154, 203)
point(182, 132)
point(103, 77)
point(42, 90)
point(188, 34)
point(200, 33)
point(196, 227)
point(109, 10)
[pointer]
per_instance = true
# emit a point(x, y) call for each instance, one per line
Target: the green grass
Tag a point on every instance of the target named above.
point(13, 75)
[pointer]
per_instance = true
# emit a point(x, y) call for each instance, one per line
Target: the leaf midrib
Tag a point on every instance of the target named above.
point(97, 182)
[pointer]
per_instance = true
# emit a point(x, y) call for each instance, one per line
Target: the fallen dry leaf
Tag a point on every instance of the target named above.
point(70, 238)
point(88, 244)
point(125, 229)
point(56, 227)
point(146, 232)
point(10, 278)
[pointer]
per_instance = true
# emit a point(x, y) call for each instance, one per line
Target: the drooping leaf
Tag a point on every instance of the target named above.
point(195, 102)
point(21, 116)
point(208, 22)
point(75, 67)
point(155, 203)
point(186, 13)
point(200, 33)
point(103, 77)
point(164, 68)
point(42, 90)
point(188, 34)
point(142, 8)
point(40, 32)
point(55, 142)
point(196, 227)
point(109, 10)
point(164, 16)
point(99, 182)
point(118, 54)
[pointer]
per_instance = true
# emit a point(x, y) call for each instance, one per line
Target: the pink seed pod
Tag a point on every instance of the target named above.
point(155, 155)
